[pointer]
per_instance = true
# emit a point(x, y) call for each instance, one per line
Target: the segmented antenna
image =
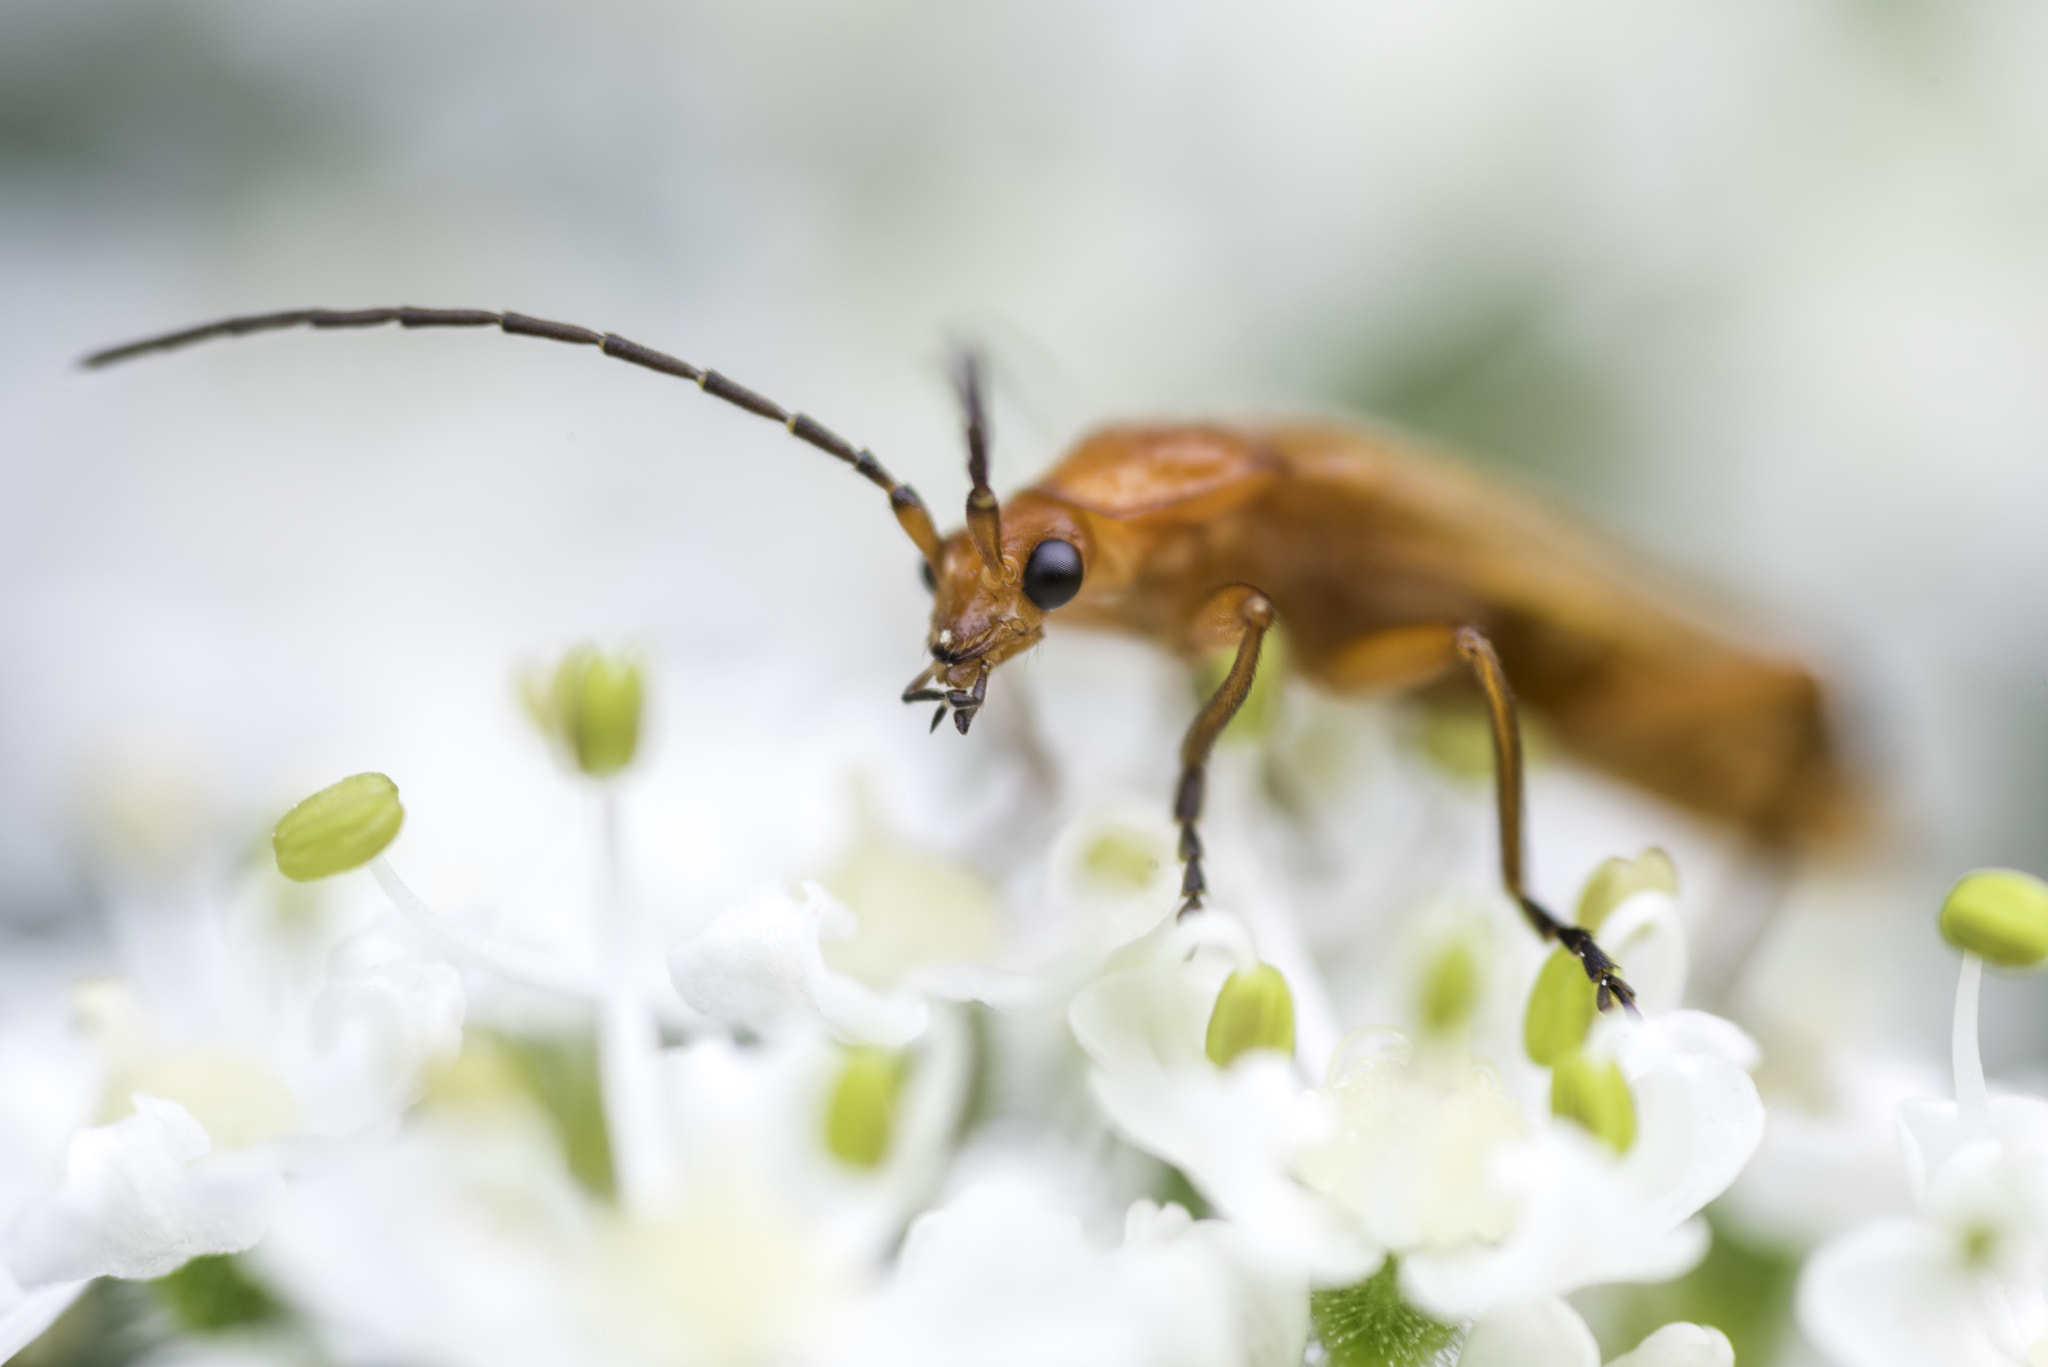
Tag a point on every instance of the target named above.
point(903, 500)
point(984, 515)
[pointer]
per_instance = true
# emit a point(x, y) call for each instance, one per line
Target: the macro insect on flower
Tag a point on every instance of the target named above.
point(1390, 567)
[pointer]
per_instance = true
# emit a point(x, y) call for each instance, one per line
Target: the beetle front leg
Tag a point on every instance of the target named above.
point(1255, 617)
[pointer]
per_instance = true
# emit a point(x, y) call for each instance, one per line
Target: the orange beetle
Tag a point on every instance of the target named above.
point(1390, 566)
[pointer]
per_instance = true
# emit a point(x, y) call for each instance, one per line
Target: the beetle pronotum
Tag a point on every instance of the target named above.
point(1391, 568)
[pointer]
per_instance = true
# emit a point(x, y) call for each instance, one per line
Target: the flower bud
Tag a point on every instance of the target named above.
point(1561, 1010)
point(1593, 1093)
point(861, 1117)
point(591, 708)
point(1617, 880)
point(1253, 1011)
point(2000, 915)
point(1450, 987)
point(338, 828)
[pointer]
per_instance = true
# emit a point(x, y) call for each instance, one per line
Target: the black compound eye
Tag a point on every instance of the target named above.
point(1053, 574)
point(930, 577)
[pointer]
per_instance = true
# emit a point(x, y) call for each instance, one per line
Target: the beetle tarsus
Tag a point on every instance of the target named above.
point(1604, 973)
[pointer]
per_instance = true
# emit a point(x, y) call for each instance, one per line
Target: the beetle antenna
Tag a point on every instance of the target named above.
point(903, 500)
point(984, 516)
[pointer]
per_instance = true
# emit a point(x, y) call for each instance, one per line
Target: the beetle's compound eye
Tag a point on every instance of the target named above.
point(1053, 574)
point(929, 575)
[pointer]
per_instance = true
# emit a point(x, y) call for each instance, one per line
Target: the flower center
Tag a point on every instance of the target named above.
point(1411, 1150)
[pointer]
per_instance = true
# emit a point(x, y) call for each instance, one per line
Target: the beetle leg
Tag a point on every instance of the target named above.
point(1255, 616)
point(1473, 648)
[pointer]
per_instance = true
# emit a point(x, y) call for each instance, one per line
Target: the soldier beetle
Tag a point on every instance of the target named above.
point(1391, 566)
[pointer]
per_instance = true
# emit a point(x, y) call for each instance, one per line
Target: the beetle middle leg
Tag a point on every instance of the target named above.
point(1405, 656)
point(1472, 646)
point(1255, 617)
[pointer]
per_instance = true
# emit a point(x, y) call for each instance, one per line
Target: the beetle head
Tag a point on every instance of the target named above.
point(983, 615)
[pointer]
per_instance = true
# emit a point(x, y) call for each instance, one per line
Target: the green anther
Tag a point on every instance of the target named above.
point(1561, 1010)
point(1253, 1011)
point(1596, 1095)
point(861, 1118)
point(1617, 880)
point(591, 708)
point(2000, 915)
point(1450, 989)
point(338, 828)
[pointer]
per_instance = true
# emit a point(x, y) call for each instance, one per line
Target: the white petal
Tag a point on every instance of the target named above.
point(1233, 1131)
point(1579, 1226)
point(995, 1278)
point(1538, 1332)
point(760, 967)
point(1680, 1345)
point(1154, 1018)
point(1821, 1171)
point(137, 1200)
point(1894, 1294)
point(1931, 1133)
point(1646, 937)
point(375, 1030)
point(460, 1243)
point(1698, 1116)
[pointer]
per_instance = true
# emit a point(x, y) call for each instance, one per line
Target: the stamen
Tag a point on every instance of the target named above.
point(527, 967)
point(1973, 1101)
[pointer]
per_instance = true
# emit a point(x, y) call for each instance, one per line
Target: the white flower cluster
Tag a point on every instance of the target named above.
point(915, 1125)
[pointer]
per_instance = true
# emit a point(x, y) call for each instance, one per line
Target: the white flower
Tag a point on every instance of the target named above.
point(763, 1245)
point(776, 961)
point(996, 1278)
point(137, 1200)
point(1234, 1131)
point(220, 1085)
point(1546, 1332)
point(1422, 1150)
point(761, 967)
point(1585, 1215)
point(1963, 1280)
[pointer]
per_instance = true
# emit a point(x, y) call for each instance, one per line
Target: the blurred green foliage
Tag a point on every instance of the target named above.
point(213, 1293)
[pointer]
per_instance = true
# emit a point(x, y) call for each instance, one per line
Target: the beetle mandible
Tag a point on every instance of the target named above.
point(1391, 566)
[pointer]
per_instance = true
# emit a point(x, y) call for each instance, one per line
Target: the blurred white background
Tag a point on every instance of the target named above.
point(1762, 285)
